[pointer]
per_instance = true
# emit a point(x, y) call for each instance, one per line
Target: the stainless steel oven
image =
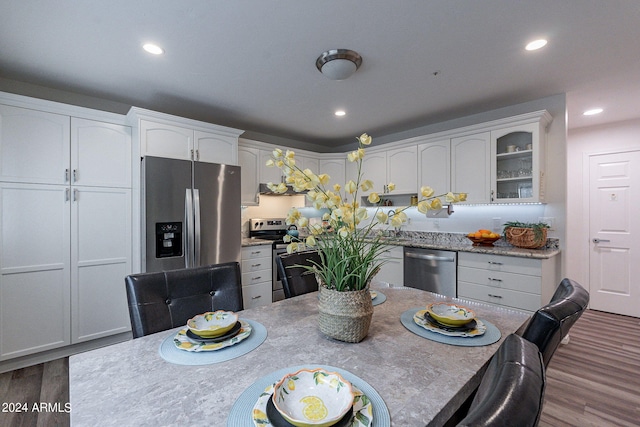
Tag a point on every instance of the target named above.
point(271, 229)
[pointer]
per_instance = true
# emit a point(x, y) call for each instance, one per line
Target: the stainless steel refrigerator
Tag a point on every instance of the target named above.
point(191, 212)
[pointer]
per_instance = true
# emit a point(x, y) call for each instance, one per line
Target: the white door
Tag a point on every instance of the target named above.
point(402, 169)
point(614, 236)
point(471, 167)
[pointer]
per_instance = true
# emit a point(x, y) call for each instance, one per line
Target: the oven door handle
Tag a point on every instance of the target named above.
point(429, 257)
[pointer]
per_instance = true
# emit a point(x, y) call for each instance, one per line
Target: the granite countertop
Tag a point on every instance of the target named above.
point(452, 242)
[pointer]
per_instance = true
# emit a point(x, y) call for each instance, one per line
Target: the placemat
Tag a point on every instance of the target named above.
point(379, 299)
point(169, 352)
point(489, 337)
point(240, 415)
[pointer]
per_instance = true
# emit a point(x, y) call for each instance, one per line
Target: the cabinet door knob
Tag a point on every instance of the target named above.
point(495, 280)
point(494, 296)
point(256, 297)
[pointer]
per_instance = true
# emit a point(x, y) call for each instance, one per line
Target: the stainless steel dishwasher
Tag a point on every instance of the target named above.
point(431, 270)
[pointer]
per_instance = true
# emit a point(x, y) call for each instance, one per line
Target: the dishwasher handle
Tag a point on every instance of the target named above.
point(429, 257)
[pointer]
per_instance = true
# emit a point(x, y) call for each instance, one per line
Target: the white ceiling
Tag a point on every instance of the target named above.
point(250, 64)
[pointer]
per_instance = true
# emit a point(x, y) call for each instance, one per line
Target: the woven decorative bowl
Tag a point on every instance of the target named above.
point(526, 237)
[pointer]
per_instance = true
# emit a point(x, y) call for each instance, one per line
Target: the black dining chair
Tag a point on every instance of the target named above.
point(165, 300)
point(551, 323)
point(297, 280)
point(511, 392)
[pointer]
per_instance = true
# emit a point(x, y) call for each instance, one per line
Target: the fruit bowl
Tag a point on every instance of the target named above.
point(313, 397)
point(483, 241)
point(450, 314)
point(212, 323)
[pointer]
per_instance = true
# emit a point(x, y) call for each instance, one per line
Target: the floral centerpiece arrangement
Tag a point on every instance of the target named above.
point(350, 243)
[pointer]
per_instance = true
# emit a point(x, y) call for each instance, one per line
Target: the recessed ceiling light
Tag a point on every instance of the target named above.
point(593, 111)
point(536, 44)
point(340, 113)
point(153, 48)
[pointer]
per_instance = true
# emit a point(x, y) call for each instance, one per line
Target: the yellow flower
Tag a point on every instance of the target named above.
point(351, 187)
point(277, 153)
point(398, 219)
point(364, 139)
point(324, 178)
point(382, 217)
point(449, 197)
point(293, 247)
point(391, 186)
point(290, 154)
point(310, 241)
point(293, 216)
point(436, 204)
point(373, 198)
point(366, 185)
point(343, 232)
point(270, 163)
point(315, 230)
point(426, 191)
point(352, 156)
point(462, 196)
point(336, 187)
point(424, 206)
point(286, 238)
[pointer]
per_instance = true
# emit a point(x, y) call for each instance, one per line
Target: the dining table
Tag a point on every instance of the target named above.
point(415, 377)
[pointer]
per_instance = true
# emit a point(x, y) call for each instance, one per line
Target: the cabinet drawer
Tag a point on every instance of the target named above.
point(256, 252)
point(256, 264)
point(256, 295)
point(510, 264)
point(499, 296)
point(500, 279)
point(254, 277)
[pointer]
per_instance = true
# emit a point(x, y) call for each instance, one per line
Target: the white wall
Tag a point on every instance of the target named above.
point(581, 142)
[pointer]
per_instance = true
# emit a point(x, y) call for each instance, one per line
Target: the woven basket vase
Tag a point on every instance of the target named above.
point(525, 237)
point(345, 316)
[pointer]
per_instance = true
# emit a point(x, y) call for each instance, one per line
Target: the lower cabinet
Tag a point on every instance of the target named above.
point(256, 276)
point(392, 271)
point(64, 253)
point(513, 282)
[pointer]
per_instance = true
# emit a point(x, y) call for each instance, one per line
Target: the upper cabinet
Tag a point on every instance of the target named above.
point(248, 159)
point(517, 163)
point(397, 165)
point(434, 165)
point(162, 135)
point(470, 167)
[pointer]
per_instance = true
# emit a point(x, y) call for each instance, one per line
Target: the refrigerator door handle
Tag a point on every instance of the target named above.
point(188, 220)
point(196, 230)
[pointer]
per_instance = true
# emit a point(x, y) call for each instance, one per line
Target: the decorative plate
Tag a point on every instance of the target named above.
point(183, 342)
point(227, 335)
point(362, 409)
point(420, 320)
point(450, 314)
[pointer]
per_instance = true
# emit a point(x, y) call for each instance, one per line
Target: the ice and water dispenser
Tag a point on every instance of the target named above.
point(168, 239)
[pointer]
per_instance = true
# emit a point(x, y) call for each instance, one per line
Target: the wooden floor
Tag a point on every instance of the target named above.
point(594, 380)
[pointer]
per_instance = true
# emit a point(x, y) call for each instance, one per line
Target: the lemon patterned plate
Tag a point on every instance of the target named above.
point(183, 342)
point(420, 320)
point(362, 409)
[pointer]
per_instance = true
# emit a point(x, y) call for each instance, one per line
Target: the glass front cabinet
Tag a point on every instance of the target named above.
point(517, 157)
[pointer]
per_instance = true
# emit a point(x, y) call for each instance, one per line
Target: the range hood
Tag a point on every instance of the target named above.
point(263, 189)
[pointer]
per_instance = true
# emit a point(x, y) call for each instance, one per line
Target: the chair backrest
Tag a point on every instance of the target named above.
point(297, 280)
point(165, 300)
point(511, 392)
point(551, 323)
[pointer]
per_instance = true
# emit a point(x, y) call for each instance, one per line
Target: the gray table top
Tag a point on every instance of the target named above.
point(421, 381)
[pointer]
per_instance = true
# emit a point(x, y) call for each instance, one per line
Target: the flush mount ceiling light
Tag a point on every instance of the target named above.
point(153, 48)
point(338, 64)
point(536, 44)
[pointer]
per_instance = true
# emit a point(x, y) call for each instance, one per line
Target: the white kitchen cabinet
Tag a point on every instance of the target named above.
point(471, 167)
point(307, 162)
point(402, 169)
point(392, 271)
point(434, 165)
point(248, 159)
point(515, 282)
point(66, 235)
point(100, 260)
point(163, 135)
point(335, 168)
point(35, 310)
point(269, 173)
point(517, 162)
point(34, 146)
point(256, 276)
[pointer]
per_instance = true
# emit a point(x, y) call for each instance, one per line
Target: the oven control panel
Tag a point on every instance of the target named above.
point(264, 224)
